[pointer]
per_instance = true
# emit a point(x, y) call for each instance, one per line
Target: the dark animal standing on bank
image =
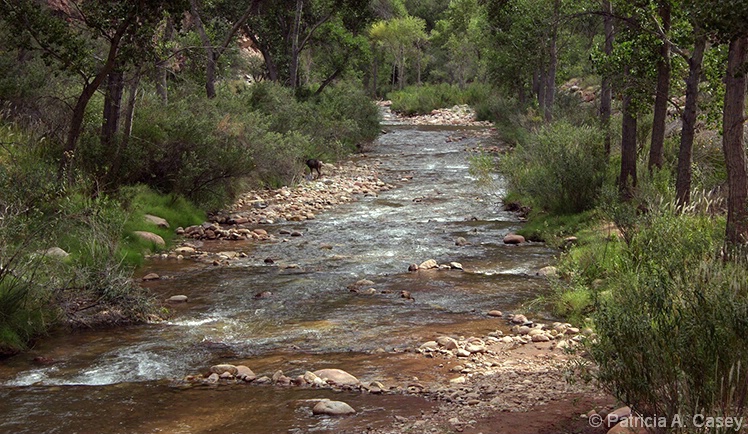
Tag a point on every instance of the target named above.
point(314, 165)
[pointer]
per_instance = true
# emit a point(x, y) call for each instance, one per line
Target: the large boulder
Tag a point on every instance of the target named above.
point(337, 376)
point(150, 237)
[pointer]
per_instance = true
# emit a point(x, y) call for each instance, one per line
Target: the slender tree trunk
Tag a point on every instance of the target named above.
point(661, 94)
point(535, 88)
point(542, 81)
point(210, 54)
point(112, 105)
point(127, 116)
point(606, 92)
point(328, 80)
point(162, 85)
point(683, 180)
point(550, 86)
point(732, 143)
point(627, 179)
point(293, 68)
point(374, 71)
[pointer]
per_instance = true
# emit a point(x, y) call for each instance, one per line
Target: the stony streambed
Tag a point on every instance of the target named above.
point(391, 268)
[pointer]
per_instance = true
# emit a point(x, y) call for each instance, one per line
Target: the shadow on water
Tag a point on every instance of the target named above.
point(122, 380)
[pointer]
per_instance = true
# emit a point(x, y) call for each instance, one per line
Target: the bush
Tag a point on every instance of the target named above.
point(415, 100)
point(560, 170)
point(673, 336)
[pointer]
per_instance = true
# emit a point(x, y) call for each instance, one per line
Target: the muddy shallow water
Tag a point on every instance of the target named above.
point(123, 380)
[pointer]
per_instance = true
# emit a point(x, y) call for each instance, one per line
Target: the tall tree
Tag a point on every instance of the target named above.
point(684, 172)
point(732, 142)
point(662, 92)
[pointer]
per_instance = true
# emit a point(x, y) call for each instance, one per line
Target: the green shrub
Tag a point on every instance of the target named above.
point(672, 337)
point(415, 100)
point(560, 169)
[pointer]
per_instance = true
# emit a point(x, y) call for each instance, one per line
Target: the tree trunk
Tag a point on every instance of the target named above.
point(606, 92)
point(128, 115)
point(210, 55)
point(374, 71)
point(162, 86)
point(683, 180)
point(661, 94)
point(112, 104)
point(627, 179)
point(542, 81)
point(550, 86)
point(293, 68)
point(732, 144)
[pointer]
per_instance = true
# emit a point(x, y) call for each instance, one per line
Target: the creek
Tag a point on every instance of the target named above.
point(126, 380)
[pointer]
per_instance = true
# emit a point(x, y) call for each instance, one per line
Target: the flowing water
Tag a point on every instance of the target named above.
point(125, 380)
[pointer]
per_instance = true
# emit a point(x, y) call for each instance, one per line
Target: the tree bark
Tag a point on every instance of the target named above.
point(732, 144)
point(606, 92)
point(661, 94)
point(683, 179)
point(112, 105)
point(627, 178)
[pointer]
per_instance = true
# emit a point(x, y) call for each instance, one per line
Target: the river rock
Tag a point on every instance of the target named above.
point(496, 313)
point(447, 342)
point(618, 415)
point(150, 237)
point(460, 241)
point(455, 266)
point(360, 284)
point(428, 265)
point(542, 337)
point(158, 221)
point(636, 427)
point(177, 299)
point(333, 408)
point(548, 271)
point(429, 346)
point(461, 352)
point(55, 252)
point(220, 369)
point(337, 376)
point(514, 239)
point(413, 267)
point(244, 373)
point(184, 250)
point(475, 345)
point(151, 276)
